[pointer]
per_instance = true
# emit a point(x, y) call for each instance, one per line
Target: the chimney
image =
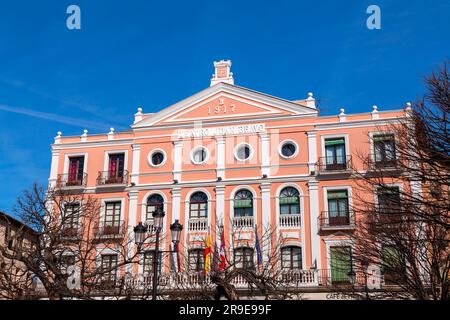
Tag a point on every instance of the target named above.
point(222, 72)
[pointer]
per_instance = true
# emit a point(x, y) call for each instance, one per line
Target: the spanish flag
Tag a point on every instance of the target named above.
point(207, 254)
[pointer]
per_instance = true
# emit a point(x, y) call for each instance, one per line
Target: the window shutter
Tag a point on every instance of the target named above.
point(337, 195)
point(289, 200)
point(333, 142)
point(242, 203)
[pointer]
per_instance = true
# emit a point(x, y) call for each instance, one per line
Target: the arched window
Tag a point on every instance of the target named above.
point(243, 258)
point(243, 204)
point(196, 263)
point(154, 202)
point(198, 205)
point(289, 201)
point(291, 258)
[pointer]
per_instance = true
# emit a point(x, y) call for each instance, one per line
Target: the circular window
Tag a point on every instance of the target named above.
point(243, 152)
point(199, 155)
point(288, 149)
point(157, 158)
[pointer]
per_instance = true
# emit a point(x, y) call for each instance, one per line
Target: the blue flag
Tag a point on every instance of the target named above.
point(257, 246)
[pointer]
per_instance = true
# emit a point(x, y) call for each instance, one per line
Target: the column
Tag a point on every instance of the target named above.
point(54, 168)
point(220, 147)
point(312, 151)
point(176, 204)
point(132, 213)
point(313, 187)
point(135, 163)
point(177, 159)
point(265, 153)
point(265, 223)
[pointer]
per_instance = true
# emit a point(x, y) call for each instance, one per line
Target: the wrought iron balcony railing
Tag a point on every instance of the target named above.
point(111, 230)
point(336, 164)
point(112, 178)
point(327, 220)
point(374, 163)
point(67, 180)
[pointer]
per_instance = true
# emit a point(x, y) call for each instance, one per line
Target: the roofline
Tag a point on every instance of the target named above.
point(17, 223)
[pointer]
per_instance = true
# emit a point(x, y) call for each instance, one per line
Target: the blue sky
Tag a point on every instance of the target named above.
point(152, 54)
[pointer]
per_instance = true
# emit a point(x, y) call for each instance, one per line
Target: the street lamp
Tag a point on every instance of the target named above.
point(365, 265)
point(139, 235)
point(352, 275)
point(175, 229)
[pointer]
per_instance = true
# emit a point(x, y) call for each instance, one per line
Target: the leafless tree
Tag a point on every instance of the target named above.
point(68, 234)
point(405, 229)
point(239, 278)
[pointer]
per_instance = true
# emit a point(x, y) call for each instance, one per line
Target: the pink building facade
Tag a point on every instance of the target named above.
point(234, 157)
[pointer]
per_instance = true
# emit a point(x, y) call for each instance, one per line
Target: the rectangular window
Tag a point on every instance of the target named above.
point(384, 147)
point(196, 260)
point(341, 264)
point(149, 261)
point(76, 167)
point(198, 209)
point(393, 265)
point(112, 217)
point(71, 217)
point(291, 258)
point(109, 268)
point(116, 168)
point(243, 258)
point(335, 157)
point(389, 201)
point(338, 207)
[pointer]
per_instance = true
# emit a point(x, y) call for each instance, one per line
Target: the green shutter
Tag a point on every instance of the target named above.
point(242, 203)
point(382, 138)
point(288, 200)
point(333, 142)
point(340, 264)
point(337, 195)
point(390, 256)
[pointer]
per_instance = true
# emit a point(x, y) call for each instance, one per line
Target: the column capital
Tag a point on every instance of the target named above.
point(136, 146)
point(265, 186)
point(220, 188)
point(220, 138)
point(133, 194)
point(177, 142)
point(311, 134)
point(313, 185)
point(176, 191)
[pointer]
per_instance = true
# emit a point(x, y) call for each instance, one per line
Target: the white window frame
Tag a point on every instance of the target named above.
point(282, 143)
point(150, 155)
point(243, 144)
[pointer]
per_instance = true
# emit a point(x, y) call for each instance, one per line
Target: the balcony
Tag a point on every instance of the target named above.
point(107, 178)
point(70, 181)
point(110, 231)
point(198, 224)
point(335, 165)
point(243, 222)
point(384, 164)
point(344, 222)
point(70, 232)
point(290, 220)
point(195, 280)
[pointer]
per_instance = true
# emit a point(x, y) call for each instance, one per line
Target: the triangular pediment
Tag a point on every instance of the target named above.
point(224, 102)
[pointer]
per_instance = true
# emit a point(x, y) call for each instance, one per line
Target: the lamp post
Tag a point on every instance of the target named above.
point(365, 265)
point(139, 235)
